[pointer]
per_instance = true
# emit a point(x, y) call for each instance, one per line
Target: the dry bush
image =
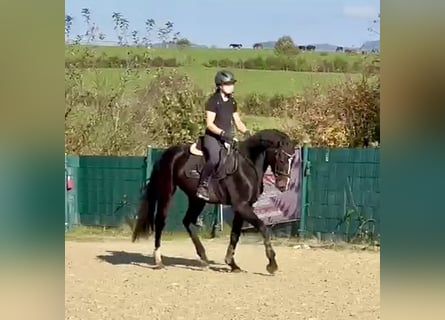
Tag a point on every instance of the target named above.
point(344, 117)
point(111, 122)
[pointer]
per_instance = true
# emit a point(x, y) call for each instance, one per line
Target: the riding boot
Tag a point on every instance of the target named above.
point(203, 187)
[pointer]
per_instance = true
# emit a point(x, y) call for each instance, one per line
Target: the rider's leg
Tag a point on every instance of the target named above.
point(211, 148)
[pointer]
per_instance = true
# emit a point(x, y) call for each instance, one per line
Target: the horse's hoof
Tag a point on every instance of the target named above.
point(272, 268)
point(205, 268)
point(237, 270)
point(204, 263)
point(159, 266)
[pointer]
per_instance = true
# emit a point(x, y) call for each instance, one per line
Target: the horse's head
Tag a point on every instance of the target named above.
point(280, 158)
point(278, 152)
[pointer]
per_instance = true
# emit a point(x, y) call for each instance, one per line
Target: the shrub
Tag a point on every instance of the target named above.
point(301, 64)
point(340, 64)
point(277, 105)
point(344, 117)
point(225, 63)
point(273, 63)
point(256, 104)
point(357, 66)
point(212, 63)
point(109, 122)
point(170, 62)
point(255, 63)
point(327, 65)
point(157, 62)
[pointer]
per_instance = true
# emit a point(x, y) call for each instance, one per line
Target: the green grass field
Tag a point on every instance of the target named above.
point(192, 59)
point(249, 81)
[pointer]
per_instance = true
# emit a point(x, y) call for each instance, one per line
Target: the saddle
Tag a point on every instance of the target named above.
point(228, 163)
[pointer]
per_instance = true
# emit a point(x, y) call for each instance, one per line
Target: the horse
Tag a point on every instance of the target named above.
point(237, 181)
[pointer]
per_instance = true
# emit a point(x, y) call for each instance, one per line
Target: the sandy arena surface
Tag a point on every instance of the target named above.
point(116, 280)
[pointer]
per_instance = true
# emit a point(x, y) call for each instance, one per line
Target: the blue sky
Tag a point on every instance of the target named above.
point(220, 22)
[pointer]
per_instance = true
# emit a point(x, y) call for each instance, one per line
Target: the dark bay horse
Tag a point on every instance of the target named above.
point(237, 182)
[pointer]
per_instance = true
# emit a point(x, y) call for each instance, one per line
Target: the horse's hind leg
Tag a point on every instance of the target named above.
point(161, 215)
point(195, 208)
point(234, 237)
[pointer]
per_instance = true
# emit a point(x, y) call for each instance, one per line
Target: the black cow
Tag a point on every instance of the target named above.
point(258, 46)
point(235, 45)
point(339, 49)
point(310, 47)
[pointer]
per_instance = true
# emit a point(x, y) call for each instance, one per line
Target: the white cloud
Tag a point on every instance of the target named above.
point(361, 12)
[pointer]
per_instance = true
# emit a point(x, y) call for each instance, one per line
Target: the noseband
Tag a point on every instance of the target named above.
point(279, 173)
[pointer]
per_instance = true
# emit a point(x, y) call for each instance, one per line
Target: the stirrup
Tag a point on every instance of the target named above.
point(202, 196)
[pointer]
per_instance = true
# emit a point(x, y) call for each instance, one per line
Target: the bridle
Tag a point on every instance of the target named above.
point(289, 156)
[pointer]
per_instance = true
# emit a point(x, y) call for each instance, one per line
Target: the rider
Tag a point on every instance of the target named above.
point(221, 109)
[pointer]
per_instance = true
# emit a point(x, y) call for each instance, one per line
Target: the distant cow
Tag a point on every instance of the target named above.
point(310, 47)
point(235, 45)
point(258, 46)
point(339, 49)
point(302, 48)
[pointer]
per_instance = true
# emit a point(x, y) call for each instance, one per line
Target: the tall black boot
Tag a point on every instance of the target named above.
point(203, 187)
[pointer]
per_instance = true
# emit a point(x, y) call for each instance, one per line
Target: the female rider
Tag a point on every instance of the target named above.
point(221, 109)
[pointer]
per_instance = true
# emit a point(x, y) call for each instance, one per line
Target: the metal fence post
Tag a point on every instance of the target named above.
point(149, 164)
point(304, 198)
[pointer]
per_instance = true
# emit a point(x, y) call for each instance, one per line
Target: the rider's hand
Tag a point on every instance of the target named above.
point(226, 136)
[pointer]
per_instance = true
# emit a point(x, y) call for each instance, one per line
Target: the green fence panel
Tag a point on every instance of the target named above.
point(342, 188)
point(109, 188)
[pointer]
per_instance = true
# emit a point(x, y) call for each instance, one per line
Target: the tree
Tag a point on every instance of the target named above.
point(149, 25)
point(92, 32)
point(286, 46)
point(183, 43)
point(121, 27)
point(375, 26)
point(68, 24)
point(164, 33)
point(135, 37)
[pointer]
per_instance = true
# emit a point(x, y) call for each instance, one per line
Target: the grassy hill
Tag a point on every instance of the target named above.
point(192, 62)
point(250, 81)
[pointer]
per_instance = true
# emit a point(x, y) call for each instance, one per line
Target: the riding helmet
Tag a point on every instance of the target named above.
point(224, 76)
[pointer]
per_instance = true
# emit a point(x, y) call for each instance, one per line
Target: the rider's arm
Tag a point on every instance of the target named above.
point(238, 123)
point(236, 118)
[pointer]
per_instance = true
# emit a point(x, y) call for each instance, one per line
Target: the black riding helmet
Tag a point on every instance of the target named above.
point(224, 76)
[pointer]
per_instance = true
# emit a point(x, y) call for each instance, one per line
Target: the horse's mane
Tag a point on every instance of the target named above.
point(262, 140)
point(268, 136)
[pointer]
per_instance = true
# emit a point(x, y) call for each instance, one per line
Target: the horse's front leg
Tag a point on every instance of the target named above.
point(234, 237)
point(245, 210)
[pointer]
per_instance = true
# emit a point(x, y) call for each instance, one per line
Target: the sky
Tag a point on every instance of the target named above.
point(221, 22)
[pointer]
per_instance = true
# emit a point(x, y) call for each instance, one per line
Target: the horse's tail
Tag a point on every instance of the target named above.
point(146, 213)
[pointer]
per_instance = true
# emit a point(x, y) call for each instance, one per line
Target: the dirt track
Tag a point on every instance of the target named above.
point(116, 280)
